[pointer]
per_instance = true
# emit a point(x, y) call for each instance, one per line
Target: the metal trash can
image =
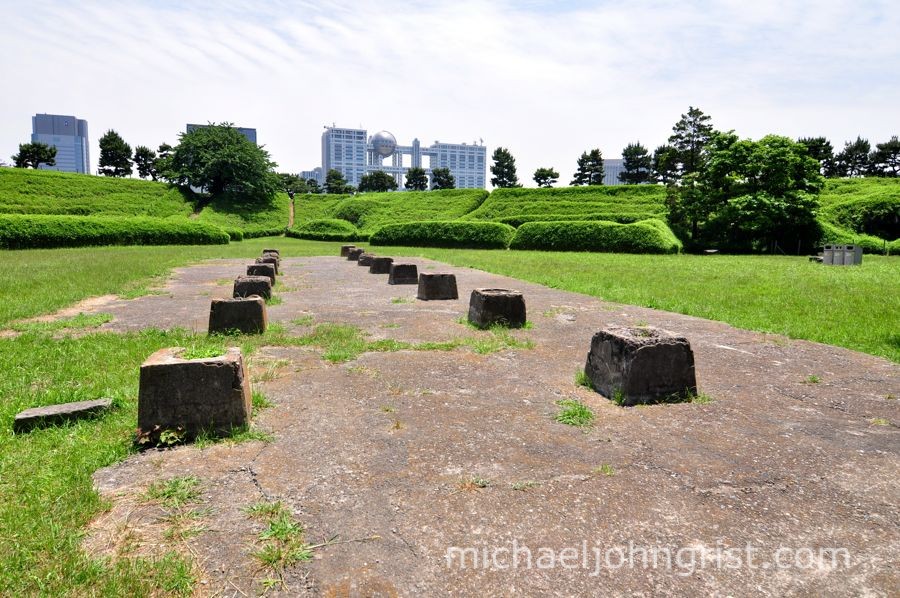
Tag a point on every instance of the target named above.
point(852, 255)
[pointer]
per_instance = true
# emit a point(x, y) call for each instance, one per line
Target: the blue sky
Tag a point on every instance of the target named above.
point(548, 80)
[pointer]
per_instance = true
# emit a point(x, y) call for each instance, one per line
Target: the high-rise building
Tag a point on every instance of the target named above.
point(69, 136)
point(250, 134)
point(353, 153)
point(611, 170)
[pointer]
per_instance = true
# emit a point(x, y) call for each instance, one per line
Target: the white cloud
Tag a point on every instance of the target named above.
point(545, 79)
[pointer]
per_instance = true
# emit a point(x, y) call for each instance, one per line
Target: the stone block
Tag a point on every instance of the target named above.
point(403, 274)
point(246, 286)
point(366, 259)
point(496, 306)
point(353, 254)
point(268, 259)
point(634, 365)
point(193, 395)
point(57, 414)
point(381, 265)
point(275, 251)
point(345, 250)
point(437, 286)
point(242, 314)
point(262, 270)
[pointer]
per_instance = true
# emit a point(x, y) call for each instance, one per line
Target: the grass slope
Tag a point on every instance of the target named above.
point(868, 206)
point(370, 211)
point(252, 219)
point(622, 203)
point(48, 192)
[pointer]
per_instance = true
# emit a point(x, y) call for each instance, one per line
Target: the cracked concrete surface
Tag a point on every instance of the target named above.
point(378, 447)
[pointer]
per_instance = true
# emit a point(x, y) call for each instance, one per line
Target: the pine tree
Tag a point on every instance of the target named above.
point(590, 169)
point(637, 162)
point(504, 169)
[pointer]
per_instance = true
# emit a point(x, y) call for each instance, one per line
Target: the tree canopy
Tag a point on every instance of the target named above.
point(545, 177)
point(220, 159)
point(590, 169)
point(115, 155)
point(664, 165)
point(416, 179)
point(504, 169)
point(335, 182)
point(441, 178)
point(378, 180)
point(145, 162)
point(32, 155)
point(689, 137)
point(637, 165)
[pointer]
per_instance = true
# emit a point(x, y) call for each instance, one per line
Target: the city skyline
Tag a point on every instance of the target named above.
point(545, 80)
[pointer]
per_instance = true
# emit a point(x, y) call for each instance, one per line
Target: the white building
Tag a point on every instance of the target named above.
point(354, 153)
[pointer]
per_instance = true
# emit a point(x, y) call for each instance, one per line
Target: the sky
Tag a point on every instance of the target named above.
point(547, 80)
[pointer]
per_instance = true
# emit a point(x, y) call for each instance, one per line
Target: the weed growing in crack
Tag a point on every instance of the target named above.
point(574, 413)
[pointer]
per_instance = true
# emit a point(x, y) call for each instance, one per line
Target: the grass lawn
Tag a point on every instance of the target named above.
point(46, 496)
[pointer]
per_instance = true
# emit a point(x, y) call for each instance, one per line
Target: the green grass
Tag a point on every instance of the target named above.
point(80, 321)
point(253, 219)
point(582, 379)
point(175, 492)
point(48, 192)
point(574, 413)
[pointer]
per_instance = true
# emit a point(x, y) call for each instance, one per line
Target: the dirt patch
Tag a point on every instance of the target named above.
point(431, 450)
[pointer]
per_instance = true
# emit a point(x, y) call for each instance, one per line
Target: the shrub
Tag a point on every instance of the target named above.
point(832, 234)
point(646, 236)
point(235, 234)
point(325, 229)
point(483, 235)
point(33, 231)
point(371, 211)
point(353, 210)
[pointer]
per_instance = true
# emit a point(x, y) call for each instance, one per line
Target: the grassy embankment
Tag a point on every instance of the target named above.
point(46, 495)
point(49, 192)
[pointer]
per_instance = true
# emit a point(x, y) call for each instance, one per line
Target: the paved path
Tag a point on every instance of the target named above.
point(377, 447)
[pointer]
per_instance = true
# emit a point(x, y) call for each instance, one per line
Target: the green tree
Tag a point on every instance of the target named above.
point(312, 186)
point(885, 160)
point(664, 166)
point(335, 182)
point(219, 159)
point(749, 195)
point(441, 178)
point(416, 179)
point(820, 149)
point(292, 183)
point(163, 163)
point(689, 136)
point(504, 169)
point(378, 181)
point(853, 160)
point(145, 162)
point(31, 155)
point(590, 169)
point(637, 165)
point(115, 155)
point(545, 177)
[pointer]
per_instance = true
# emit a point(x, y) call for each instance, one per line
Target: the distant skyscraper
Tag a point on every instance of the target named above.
point(611, 170)
point(250, 134)
point(354, 153)
point(69, 136)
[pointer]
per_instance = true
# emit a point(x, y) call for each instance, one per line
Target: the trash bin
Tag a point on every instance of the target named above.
point(852, 255)
point(828, 255)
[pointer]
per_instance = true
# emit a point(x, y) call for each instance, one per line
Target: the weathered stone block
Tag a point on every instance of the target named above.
point(193, 394)
point(268, 259)
point(496, 306)
point(245, 286)
point(244, 314)
point(633, 365)
point(57, 414)
point(345, 250)
point(381, 265)
point(262, 270)
point(403, 274)
point(366, 259)
point(353, 254)
point(275, 251)
point(437, 286)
